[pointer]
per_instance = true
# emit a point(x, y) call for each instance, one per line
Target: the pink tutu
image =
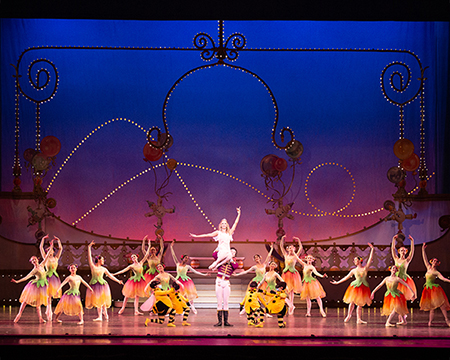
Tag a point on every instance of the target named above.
point(133, 288)
point(70, 304)
point(99, 297)
point(34, 295)
point(189, 290)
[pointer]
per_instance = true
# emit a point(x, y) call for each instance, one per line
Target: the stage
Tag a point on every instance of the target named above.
point(325, 338)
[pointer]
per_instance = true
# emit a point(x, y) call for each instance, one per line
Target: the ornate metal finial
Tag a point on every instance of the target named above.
point(221, 52)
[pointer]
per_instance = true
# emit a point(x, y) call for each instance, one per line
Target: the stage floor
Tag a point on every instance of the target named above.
point(328, 335)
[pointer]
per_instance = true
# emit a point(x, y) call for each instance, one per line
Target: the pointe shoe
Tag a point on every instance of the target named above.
point(359, 321)
point(146, 321)
point(98, 319)
point(308, 315)
point(347, 319)
point(80, 322)
point(121, 311)
point(323, 314)
point(389, 325)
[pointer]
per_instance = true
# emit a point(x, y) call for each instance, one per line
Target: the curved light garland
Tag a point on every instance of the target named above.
point(85, 139)
point(307, 182)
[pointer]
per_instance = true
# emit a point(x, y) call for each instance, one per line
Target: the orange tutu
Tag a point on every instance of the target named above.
point(34, 295)
point(132, 288)
point(403, 289)
point(433, 298)
point(397, 304)
point(99, 297)
point(70, 304)
point(312, 289)
point(53, 285)
point(360, 295)
point(293, 281)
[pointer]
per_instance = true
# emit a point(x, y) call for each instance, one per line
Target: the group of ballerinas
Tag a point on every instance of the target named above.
point(46, 284)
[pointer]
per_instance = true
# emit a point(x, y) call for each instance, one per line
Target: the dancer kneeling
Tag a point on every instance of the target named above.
point(252, 307)
point(277, 303)
point(394, 301)
point(163, 304)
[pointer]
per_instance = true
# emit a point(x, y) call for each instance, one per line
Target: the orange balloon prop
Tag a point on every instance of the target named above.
point(403, 149)
point(171, 164)
point(412, 163)
point(151, 153)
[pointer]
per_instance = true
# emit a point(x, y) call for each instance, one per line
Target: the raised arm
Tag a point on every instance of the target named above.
point(144, 259)
point(394, 239)
point(144, 250)
point(411, 250)
point(266, 262)
point(91, 263)
point(44, 262)
point(161, 247)
point(282, 245)
point(58, 254)
point(424, 256)
point(238, 216)
point(369, 261)
point(174, 257)
point(300, 246)
point(41, 246)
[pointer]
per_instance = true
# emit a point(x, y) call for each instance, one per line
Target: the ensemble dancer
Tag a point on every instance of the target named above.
point(259, 268)
point(270, 278)
point(223, 290)
point(180, 303)
point(52, 276)
point(164, 281)
point(135, 285)
point(154, 258)
point(183, 267)
point(402, 262)
point(358, 292)
point(394, 301)
point(35, 292)
point(100, 297)
point(277, 303)
point(251, 305)
point(224, 236)
point(290, 274)
point(433, 296)
point(163, 305)
point(70, 302)
point(312, 289)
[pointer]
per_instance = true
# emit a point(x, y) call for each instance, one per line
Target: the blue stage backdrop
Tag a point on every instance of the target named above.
point(113, 78)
